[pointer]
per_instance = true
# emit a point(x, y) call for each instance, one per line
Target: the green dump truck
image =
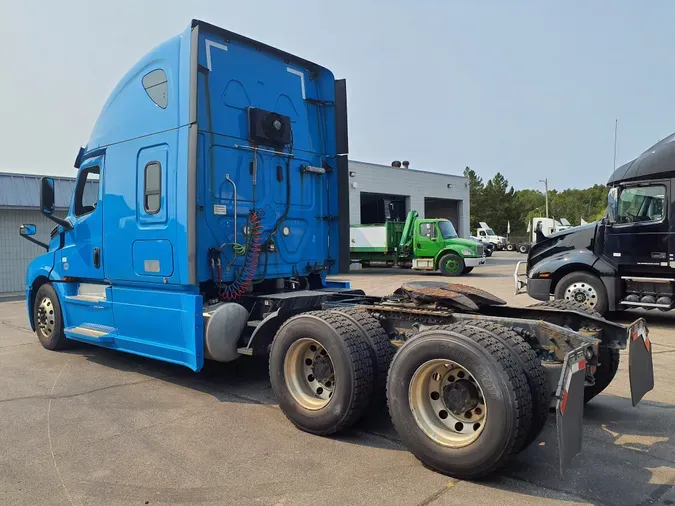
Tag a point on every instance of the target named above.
point(420, 244)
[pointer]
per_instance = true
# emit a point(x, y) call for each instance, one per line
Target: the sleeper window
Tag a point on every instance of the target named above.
point(157, 87)
point(153, 188)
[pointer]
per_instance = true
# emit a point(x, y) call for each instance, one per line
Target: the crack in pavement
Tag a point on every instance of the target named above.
point(18, 327)
point(437, 494)
point(78, 394)
point(15, 345)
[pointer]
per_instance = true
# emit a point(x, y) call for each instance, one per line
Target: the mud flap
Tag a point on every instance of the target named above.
point(640, 365)
point(570, 409)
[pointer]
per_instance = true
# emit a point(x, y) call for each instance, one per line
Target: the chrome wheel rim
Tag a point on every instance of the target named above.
point(309, 373)
point(583, 293)
point(45, 317)
point(447, 403)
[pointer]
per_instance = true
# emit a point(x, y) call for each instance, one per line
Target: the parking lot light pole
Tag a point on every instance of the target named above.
point(545, 181)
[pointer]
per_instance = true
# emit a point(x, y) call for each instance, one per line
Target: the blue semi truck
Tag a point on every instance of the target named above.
point(219, 208)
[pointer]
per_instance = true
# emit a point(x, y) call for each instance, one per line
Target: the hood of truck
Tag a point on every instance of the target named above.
point(576, 238)
point(470, 243)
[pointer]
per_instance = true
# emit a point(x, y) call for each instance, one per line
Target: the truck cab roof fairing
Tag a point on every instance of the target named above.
point(657, 162)
point(114, 125)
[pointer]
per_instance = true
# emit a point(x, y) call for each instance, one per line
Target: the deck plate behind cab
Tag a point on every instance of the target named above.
point(448, 294)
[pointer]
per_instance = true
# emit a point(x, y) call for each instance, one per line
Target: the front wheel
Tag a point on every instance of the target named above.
point(452, 265)
point(48, 319)
point(583, 288)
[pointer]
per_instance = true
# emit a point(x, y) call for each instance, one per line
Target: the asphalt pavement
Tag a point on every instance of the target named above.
point(94, 426)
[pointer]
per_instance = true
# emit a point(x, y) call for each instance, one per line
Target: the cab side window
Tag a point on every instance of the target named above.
point(641, 204)
point(428, 230)
point(86, 191)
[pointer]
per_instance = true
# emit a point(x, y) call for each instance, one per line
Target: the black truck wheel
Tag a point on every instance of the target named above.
point(451, 264)
point(534, 374)
point(510, 247)
point(458, 400)
point(321, 372)
point(381, 348)
point(523, 248)
point(48, 319)
point(608, 358)
point(584, 288)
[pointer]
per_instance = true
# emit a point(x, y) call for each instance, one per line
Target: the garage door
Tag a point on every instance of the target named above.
point(16, 252)
point(444, 209)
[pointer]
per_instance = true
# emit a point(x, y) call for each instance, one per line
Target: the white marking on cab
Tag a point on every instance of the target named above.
point(209, 44)
point(302, 79)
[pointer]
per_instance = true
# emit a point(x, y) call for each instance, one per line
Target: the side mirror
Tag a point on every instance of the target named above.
point(26, 230)
point(47, 205)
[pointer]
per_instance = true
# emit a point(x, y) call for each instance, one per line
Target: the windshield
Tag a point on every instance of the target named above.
point(489, 231)
point(641, 203)
point(447, 230)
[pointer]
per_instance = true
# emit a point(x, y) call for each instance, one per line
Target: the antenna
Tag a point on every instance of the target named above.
point(616, 128)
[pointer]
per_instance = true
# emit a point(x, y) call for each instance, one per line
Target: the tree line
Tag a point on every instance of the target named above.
point(497, 204)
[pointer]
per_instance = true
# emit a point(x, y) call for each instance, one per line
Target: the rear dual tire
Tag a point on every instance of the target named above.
point(420, 415)
point(463, 398)
point(321, 371)
point(328, 367)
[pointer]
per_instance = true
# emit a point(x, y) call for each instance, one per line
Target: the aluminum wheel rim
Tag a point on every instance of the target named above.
point(432, 414)
point(310, 375)
point(582, 293)
point(45, 317)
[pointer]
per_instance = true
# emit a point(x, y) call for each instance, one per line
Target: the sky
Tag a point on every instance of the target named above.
point(530, 89)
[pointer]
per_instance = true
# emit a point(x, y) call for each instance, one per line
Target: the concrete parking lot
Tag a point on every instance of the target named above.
point(92, 426)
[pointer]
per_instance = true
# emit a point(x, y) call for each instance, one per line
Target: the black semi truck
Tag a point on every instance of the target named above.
point(627, 259)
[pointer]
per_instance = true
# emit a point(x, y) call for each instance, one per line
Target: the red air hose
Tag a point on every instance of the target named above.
point(238, 287)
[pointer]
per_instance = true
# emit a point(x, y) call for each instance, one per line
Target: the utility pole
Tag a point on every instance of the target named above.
point(545, 181)
point(616, 128)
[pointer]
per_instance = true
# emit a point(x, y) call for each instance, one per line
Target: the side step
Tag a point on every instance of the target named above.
point(646, 305)
point(90, 332)
point(641, 279)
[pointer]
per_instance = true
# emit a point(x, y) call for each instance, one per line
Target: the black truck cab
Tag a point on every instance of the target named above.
point(625, 260)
